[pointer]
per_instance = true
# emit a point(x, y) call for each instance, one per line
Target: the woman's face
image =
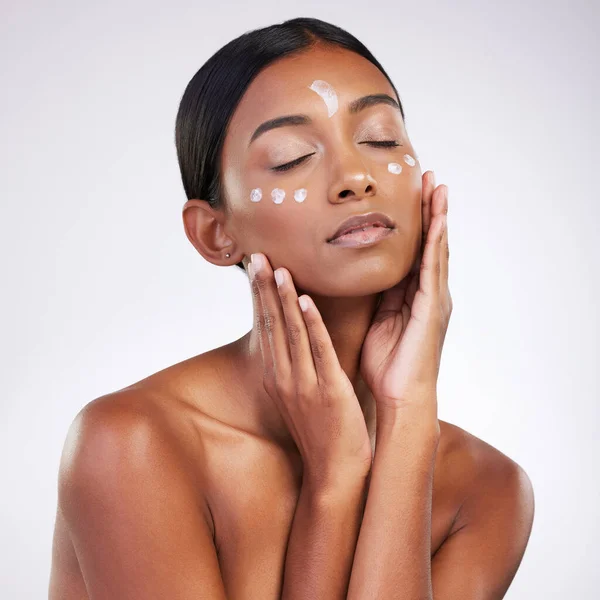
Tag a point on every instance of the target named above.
point(289, 215)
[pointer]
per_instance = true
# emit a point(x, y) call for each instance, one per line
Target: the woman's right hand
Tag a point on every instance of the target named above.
point(303, 376)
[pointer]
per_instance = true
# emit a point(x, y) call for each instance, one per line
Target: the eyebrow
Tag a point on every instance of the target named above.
point(353, 108)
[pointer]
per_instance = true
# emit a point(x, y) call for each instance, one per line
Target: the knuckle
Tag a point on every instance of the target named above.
point(260, 281)
point(294, 334)
point(319, 349)
point(305, 393)
point(270, 320)
point(259, 324)
point(282, 386)
point(255, 292)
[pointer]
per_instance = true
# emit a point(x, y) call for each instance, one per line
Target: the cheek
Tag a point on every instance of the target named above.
point(406, 177)
point(276, 214)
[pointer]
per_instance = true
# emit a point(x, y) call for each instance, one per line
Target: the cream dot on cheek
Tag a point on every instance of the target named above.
point(300, 195)
point(409, 160)
point(255, 195)
point(278, 195)
point(395, 168)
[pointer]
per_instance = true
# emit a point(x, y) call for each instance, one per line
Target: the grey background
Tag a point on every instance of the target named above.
point(100, 286)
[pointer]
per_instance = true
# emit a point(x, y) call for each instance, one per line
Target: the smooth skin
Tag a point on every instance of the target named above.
point(305, 459)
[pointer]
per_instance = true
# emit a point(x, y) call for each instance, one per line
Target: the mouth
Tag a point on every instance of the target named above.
point(362, 237)
point(368, 226)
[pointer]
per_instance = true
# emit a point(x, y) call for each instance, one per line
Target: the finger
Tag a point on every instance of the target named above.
point(263, 336)
point(326, 361)
point(427, 196)
point(429, 277)
point(303, 367)
point(439, 206)
point(428, 186)
point(274, 320)
point(444, 249)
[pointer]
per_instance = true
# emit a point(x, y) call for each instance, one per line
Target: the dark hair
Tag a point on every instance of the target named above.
point(213, 93)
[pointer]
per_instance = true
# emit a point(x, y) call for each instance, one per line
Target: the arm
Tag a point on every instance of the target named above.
point(479, 558)
point(393, 553)
point(135, 515)
point(322, 539)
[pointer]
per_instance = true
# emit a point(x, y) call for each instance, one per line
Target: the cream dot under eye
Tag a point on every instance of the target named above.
point(409, 160)
point(278, 195)
point(395, 168)
point(255, 195)
point(300, 195)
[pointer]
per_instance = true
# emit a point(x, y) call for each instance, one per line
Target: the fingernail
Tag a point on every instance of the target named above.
point(278, 277)
point(250, 270)
point(257, 261)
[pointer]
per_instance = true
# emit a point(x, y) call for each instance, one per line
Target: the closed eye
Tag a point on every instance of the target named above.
point(292, 164)
point(297, 161)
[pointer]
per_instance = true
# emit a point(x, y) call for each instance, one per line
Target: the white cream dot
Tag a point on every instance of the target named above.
point(395, 168)
point(255, 195)
point(300, 195)
point(278, 195)
point(409, 160)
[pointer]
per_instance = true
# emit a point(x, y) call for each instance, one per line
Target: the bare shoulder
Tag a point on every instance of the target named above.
point(473, 455)
point(132, 503)
point(133, 418)
point(489, 479)
point(491, 528)
point(126, 437)
point(156, 427)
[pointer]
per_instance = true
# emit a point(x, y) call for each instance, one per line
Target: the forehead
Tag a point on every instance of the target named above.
point(284, 87)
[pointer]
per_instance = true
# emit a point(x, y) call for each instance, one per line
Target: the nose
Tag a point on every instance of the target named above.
point(353, 181)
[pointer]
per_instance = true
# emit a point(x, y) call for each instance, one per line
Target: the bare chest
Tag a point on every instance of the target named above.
point(254, 489)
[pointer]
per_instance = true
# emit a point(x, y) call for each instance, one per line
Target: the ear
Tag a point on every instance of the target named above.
point(205, 228)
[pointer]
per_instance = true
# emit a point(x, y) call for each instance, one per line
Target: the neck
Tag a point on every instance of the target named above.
point(347, 320)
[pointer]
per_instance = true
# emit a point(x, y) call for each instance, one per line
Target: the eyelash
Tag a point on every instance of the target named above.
point(290, 165)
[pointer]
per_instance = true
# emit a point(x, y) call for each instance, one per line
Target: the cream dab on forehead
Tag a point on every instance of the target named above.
point(328, 94)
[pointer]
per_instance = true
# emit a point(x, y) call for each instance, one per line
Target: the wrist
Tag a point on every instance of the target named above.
point(335, 482)
point(418, 422)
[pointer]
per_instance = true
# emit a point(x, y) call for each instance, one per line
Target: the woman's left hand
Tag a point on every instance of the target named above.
point(402, 350)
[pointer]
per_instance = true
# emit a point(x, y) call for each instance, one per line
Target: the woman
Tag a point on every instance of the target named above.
point(305, 459)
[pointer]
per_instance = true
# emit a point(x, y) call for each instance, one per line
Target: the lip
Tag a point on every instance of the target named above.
point(364, 220)
point(359, 238)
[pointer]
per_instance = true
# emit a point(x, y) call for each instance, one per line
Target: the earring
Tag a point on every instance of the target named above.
point(227, 255)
